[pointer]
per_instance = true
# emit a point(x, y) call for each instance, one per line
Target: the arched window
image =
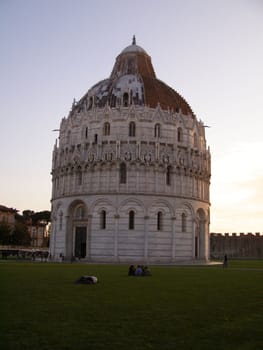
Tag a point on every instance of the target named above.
point(79, 177)
point(103, 219)
point(183, 222)
point(125, 99)
point(136, 99)
point(179, 135)
point(123, 173)
point(113, 101)
point(131, 220)
point(60, 220)
point(106, 129)
point(168, 175)
point(157, 130)
point(90, 102)
point(159, 221)
point(86, 132)
point(68, 137)
point(79, 212)
point(96, 138)
point(195, 140)
point(132, 129)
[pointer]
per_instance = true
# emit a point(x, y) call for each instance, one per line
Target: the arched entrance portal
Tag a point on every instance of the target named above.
point(77, 231)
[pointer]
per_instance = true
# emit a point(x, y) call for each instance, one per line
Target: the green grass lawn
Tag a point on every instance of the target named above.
point(177, 308)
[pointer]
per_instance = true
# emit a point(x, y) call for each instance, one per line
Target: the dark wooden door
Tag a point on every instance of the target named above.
point(80, 242)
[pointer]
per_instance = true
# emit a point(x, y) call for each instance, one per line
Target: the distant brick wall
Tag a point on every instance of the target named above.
point(236, 246)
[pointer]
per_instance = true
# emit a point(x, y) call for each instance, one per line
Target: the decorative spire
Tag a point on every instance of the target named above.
point(133, 40)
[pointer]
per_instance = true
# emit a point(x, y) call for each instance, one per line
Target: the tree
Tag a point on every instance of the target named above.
point(19, 218)
point(41, 216)
point(27, 214)
point(5, 233)
point(20, 235)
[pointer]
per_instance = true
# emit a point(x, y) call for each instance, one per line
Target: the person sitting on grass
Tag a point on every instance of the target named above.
point(131, 271)
point(138, 271)
point(146, 271)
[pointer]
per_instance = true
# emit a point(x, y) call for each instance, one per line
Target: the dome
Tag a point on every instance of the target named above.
point(133, 47)
point(133, 81)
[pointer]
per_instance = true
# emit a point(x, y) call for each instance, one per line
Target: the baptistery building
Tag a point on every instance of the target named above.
point(131, 172)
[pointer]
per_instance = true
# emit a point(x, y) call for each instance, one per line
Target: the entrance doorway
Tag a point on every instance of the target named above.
point(196, 247)
point(80, 241)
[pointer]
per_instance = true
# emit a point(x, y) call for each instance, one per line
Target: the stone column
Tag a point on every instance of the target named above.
point(99, 151)
point(146, 218)
point(53, 238)
point(108, 176)
point(181, 182)
point(194, 228)
point(157, 151)
point(117, 167)
point(118, 149)
point(68, 179)
point(74, 182)
point(98, 172)
point(89, 233)
point(137, 176)
point(173, 218)
point(146, 177)
point(68, 237)
point(173, 181)
point(138, 150)
point(116, 237)
point(207, 240)
point(156, 177)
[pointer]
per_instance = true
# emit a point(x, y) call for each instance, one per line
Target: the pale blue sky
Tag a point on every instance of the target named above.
point(210, 51)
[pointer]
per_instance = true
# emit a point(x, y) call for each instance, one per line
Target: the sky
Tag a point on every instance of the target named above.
point(210, 51)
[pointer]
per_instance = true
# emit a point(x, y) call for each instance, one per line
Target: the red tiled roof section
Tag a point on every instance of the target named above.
point(144, 65)
point(137, 61)
point(133, 63)
point(158, 92)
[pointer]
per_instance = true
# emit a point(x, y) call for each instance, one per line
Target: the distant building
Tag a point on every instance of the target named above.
point(39, 230)
point(7, 215)
point(39, 233)
point(131, 172)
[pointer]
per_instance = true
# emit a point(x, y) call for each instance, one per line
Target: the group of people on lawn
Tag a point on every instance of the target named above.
point(140, 270)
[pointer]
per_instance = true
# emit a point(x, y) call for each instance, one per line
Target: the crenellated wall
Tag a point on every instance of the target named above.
point(236, 246)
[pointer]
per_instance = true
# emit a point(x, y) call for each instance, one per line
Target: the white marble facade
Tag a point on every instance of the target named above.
point(130, 178)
